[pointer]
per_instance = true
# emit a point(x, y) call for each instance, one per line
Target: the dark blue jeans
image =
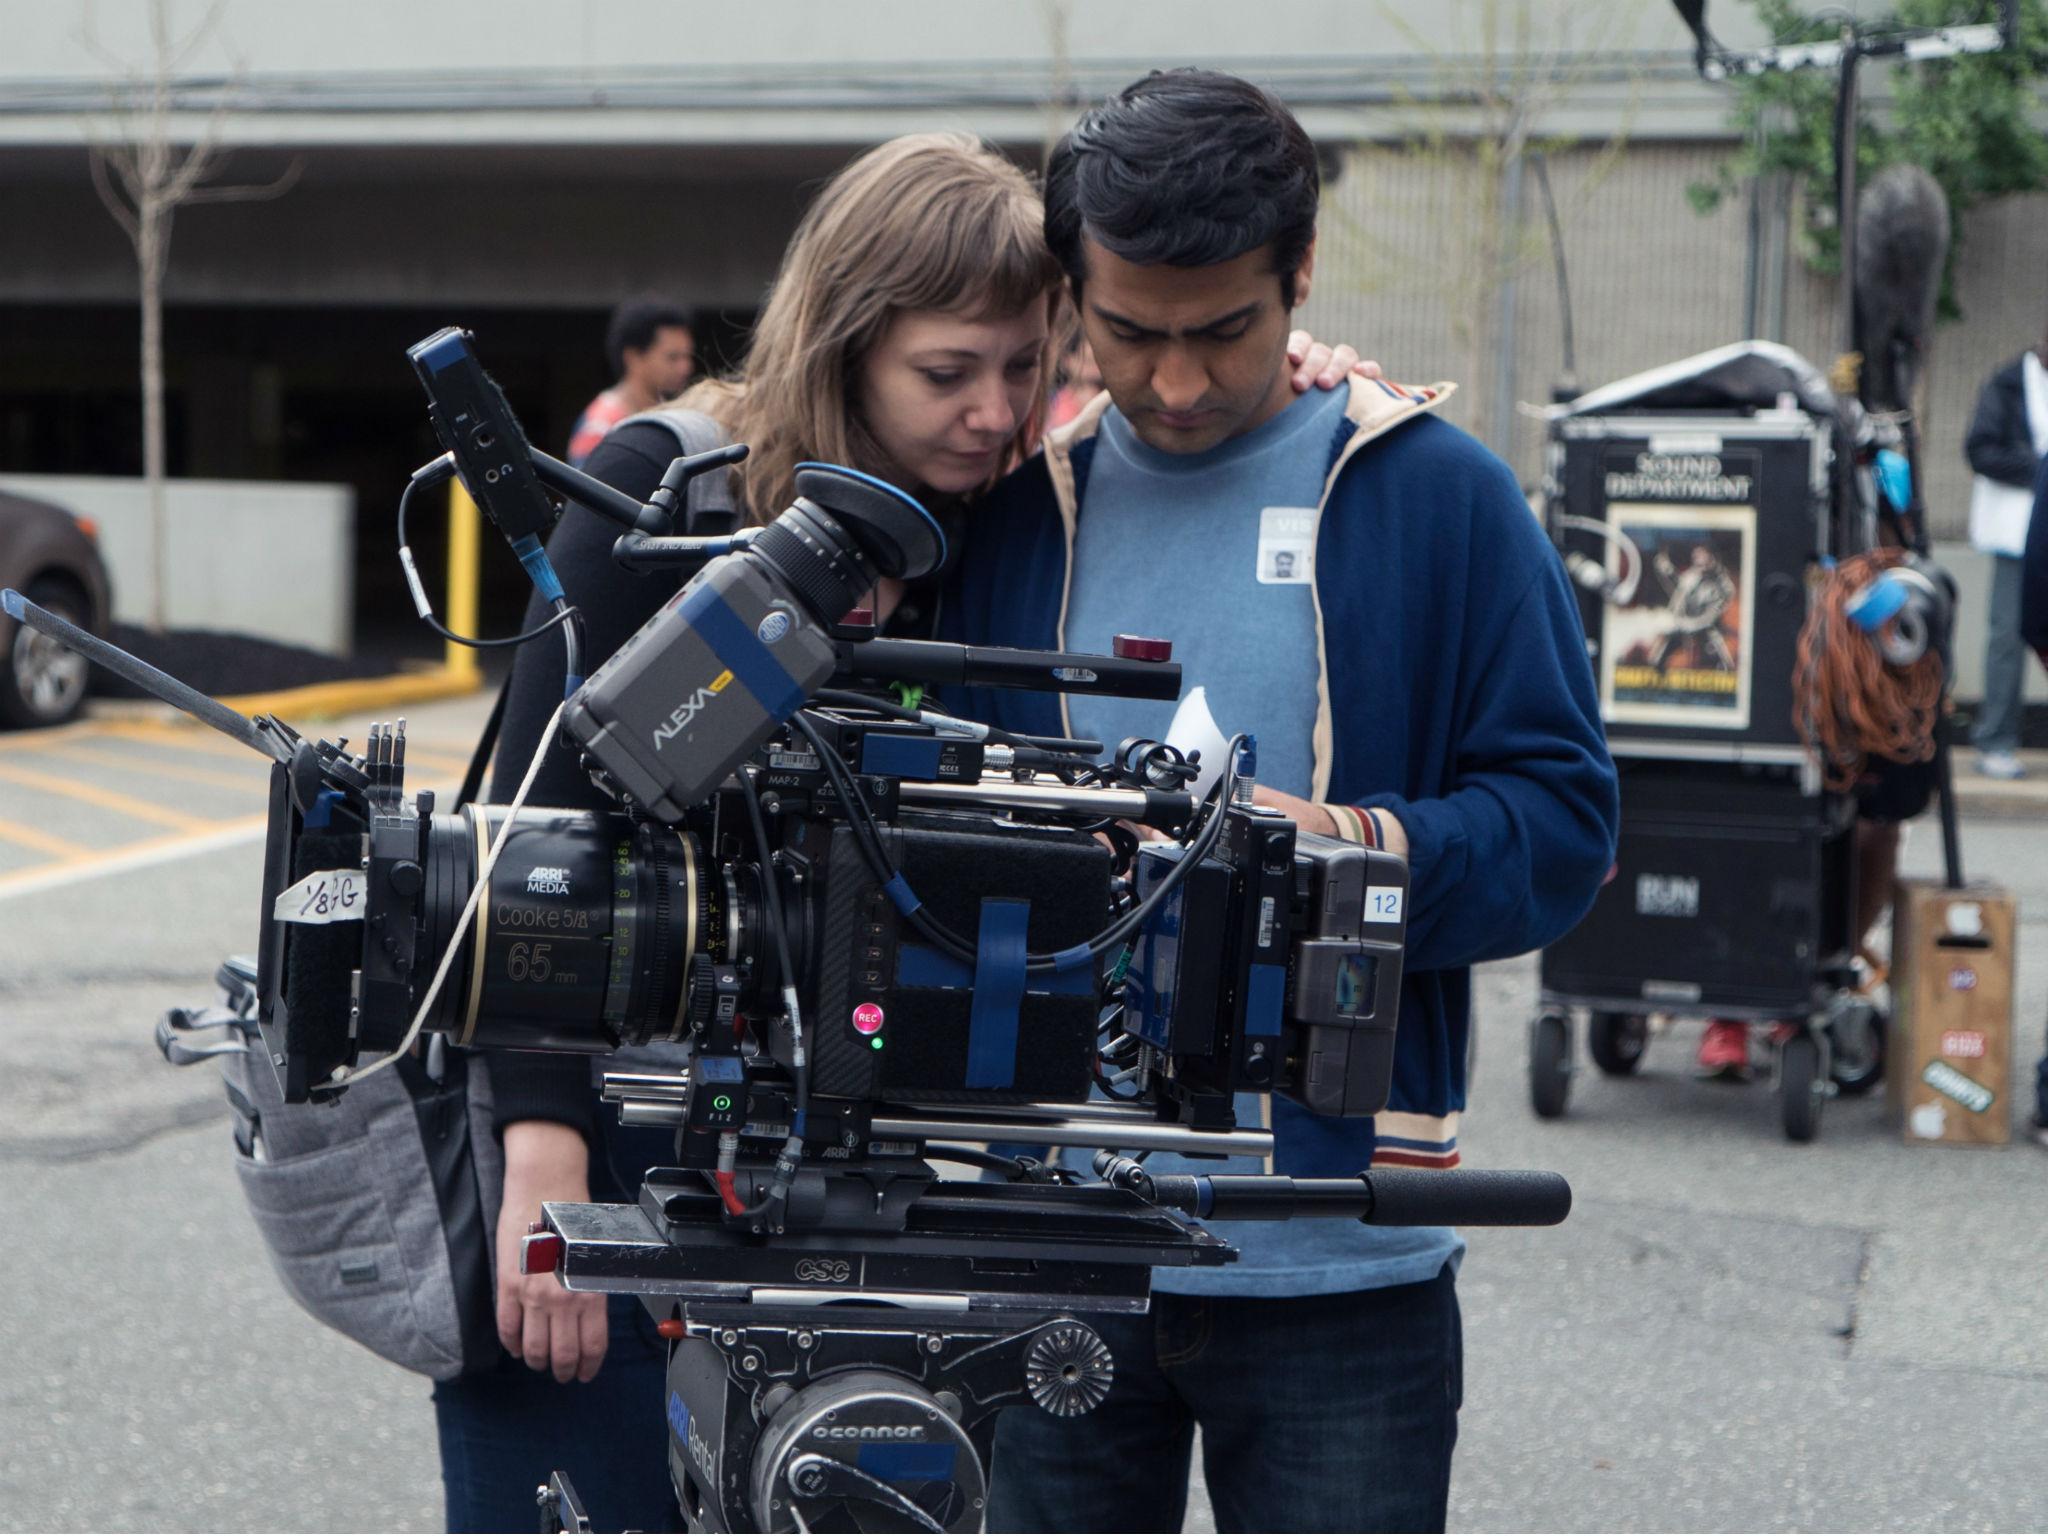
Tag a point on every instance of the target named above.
point(1318, 1413)
point(504, 1430)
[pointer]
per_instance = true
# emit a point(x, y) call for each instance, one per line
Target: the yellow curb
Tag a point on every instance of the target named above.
point(357, 695)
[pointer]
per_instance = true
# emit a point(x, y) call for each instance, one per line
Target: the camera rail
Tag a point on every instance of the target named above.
point(659, 1099)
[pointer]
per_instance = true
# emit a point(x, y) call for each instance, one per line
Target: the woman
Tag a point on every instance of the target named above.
point(906, 336)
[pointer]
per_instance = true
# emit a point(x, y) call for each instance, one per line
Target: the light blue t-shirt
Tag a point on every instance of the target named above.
point(1215, 551)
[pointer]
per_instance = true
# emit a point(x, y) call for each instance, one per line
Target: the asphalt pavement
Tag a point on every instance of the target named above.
point(1730, 1333)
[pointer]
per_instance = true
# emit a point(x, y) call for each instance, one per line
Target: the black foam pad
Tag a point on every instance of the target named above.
point(318, 961)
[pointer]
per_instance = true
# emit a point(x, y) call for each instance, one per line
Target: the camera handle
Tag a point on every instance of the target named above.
point(1380, 1197)
point(654, 518)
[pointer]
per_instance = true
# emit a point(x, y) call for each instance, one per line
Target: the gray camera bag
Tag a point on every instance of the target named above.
point(377, 1211)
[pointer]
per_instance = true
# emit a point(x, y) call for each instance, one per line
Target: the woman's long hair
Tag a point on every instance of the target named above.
point(932, 221)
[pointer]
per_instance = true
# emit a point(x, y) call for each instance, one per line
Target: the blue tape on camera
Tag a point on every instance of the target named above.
point(998, 992)
point(446, 352)
point(1079, 957)
point(919, 965)
point(734, 643)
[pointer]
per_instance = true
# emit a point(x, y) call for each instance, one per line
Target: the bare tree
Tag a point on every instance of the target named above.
point(1459, 148)
point(144, 175)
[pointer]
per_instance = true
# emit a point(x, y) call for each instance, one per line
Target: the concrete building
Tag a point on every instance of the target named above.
point(518, 167)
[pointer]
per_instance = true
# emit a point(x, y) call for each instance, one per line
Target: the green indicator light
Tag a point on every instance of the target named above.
point(876, 1042)
point(722, 1102)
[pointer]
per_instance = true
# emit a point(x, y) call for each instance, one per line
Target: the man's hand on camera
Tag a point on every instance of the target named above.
point(1309, 816)
point(1317, 366)
point(551, 1329)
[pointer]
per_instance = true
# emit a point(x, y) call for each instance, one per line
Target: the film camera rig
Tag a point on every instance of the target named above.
point(842, 939)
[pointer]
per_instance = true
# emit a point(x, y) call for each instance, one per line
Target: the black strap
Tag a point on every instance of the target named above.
point(486, 744)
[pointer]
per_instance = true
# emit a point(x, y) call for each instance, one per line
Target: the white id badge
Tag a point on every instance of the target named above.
point(1287, 546)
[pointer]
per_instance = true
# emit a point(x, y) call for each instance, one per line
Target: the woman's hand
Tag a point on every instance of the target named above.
point(546, 1326)
point(1320, 367)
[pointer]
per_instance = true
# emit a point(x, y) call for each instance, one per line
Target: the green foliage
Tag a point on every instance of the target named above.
point(1964, 120)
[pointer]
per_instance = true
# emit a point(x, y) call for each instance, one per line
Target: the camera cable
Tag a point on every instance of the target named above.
point(792, 1152)
point(867, 837)
point(566, 617)
point(1055, 750)
point(460, 932)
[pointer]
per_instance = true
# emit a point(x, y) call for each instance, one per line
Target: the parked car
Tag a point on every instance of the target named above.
point(53, 559)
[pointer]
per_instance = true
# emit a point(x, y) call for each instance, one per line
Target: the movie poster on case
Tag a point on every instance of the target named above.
point(1676, 631)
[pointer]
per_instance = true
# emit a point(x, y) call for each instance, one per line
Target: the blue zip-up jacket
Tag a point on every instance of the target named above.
point(1454, 692)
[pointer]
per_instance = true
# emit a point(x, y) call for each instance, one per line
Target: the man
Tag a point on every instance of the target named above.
point(1416, 677)
point(1700, 595)
point(2033, 622)
point(652, 353)
point(2008, 436)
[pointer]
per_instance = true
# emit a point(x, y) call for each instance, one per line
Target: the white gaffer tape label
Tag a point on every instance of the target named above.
point(1383, 903)
point(326, 896)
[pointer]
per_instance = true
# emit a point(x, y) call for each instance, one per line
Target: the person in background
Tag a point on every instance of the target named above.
point(2033, 619)
point(1080, 381)
point(2007, 438)
point(653, 354)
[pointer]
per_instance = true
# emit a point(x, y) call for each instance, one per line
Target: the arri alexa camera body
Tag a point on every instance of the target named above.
point(863, 939)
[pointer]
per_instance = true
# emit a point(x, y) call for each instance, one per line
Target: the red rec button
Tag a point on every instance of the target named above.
point(858, 618)
point(867, 1018)
point(1141, 648)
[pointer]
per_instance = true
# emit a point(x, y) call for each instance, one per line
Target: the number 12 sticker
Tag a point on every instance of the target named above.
point(1383, 903)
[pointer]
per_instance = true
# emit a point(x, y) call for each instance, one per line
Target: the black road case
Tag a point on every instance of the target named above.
point(1691, 503)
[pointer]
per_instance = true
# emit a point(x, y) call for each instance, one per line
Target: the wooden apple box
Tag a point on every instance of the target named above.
point(1948, 1062)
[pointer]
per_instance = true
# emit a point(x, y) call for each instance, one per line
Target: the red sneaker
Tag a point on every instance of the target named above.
point(1724, 1050)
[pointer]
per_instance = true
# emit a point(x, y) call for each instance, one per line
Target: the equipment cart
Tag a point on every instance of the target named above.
point(1690, 504)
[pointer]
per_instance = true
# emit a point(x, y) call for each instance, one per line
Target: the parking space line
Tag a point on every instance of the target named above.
point(106, 799)
point(186, 738)
point(199, 739)
point(254, 780)
point(157, 850)
point(42, 842)
point(38, 740)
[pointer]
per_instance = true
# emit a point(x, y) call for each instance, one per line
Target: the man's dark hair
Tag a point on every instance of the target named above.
point(633, 325)
point(1185, 168)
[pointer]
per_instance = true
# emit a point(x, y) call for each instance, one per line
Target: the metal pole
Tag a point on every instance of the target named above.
point(1504, 310)
point(465, 560)
point(1845, 183)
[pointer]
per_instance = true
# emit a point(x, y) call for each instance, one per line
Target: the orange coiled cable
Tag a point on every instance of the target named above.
point(1849, 702)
